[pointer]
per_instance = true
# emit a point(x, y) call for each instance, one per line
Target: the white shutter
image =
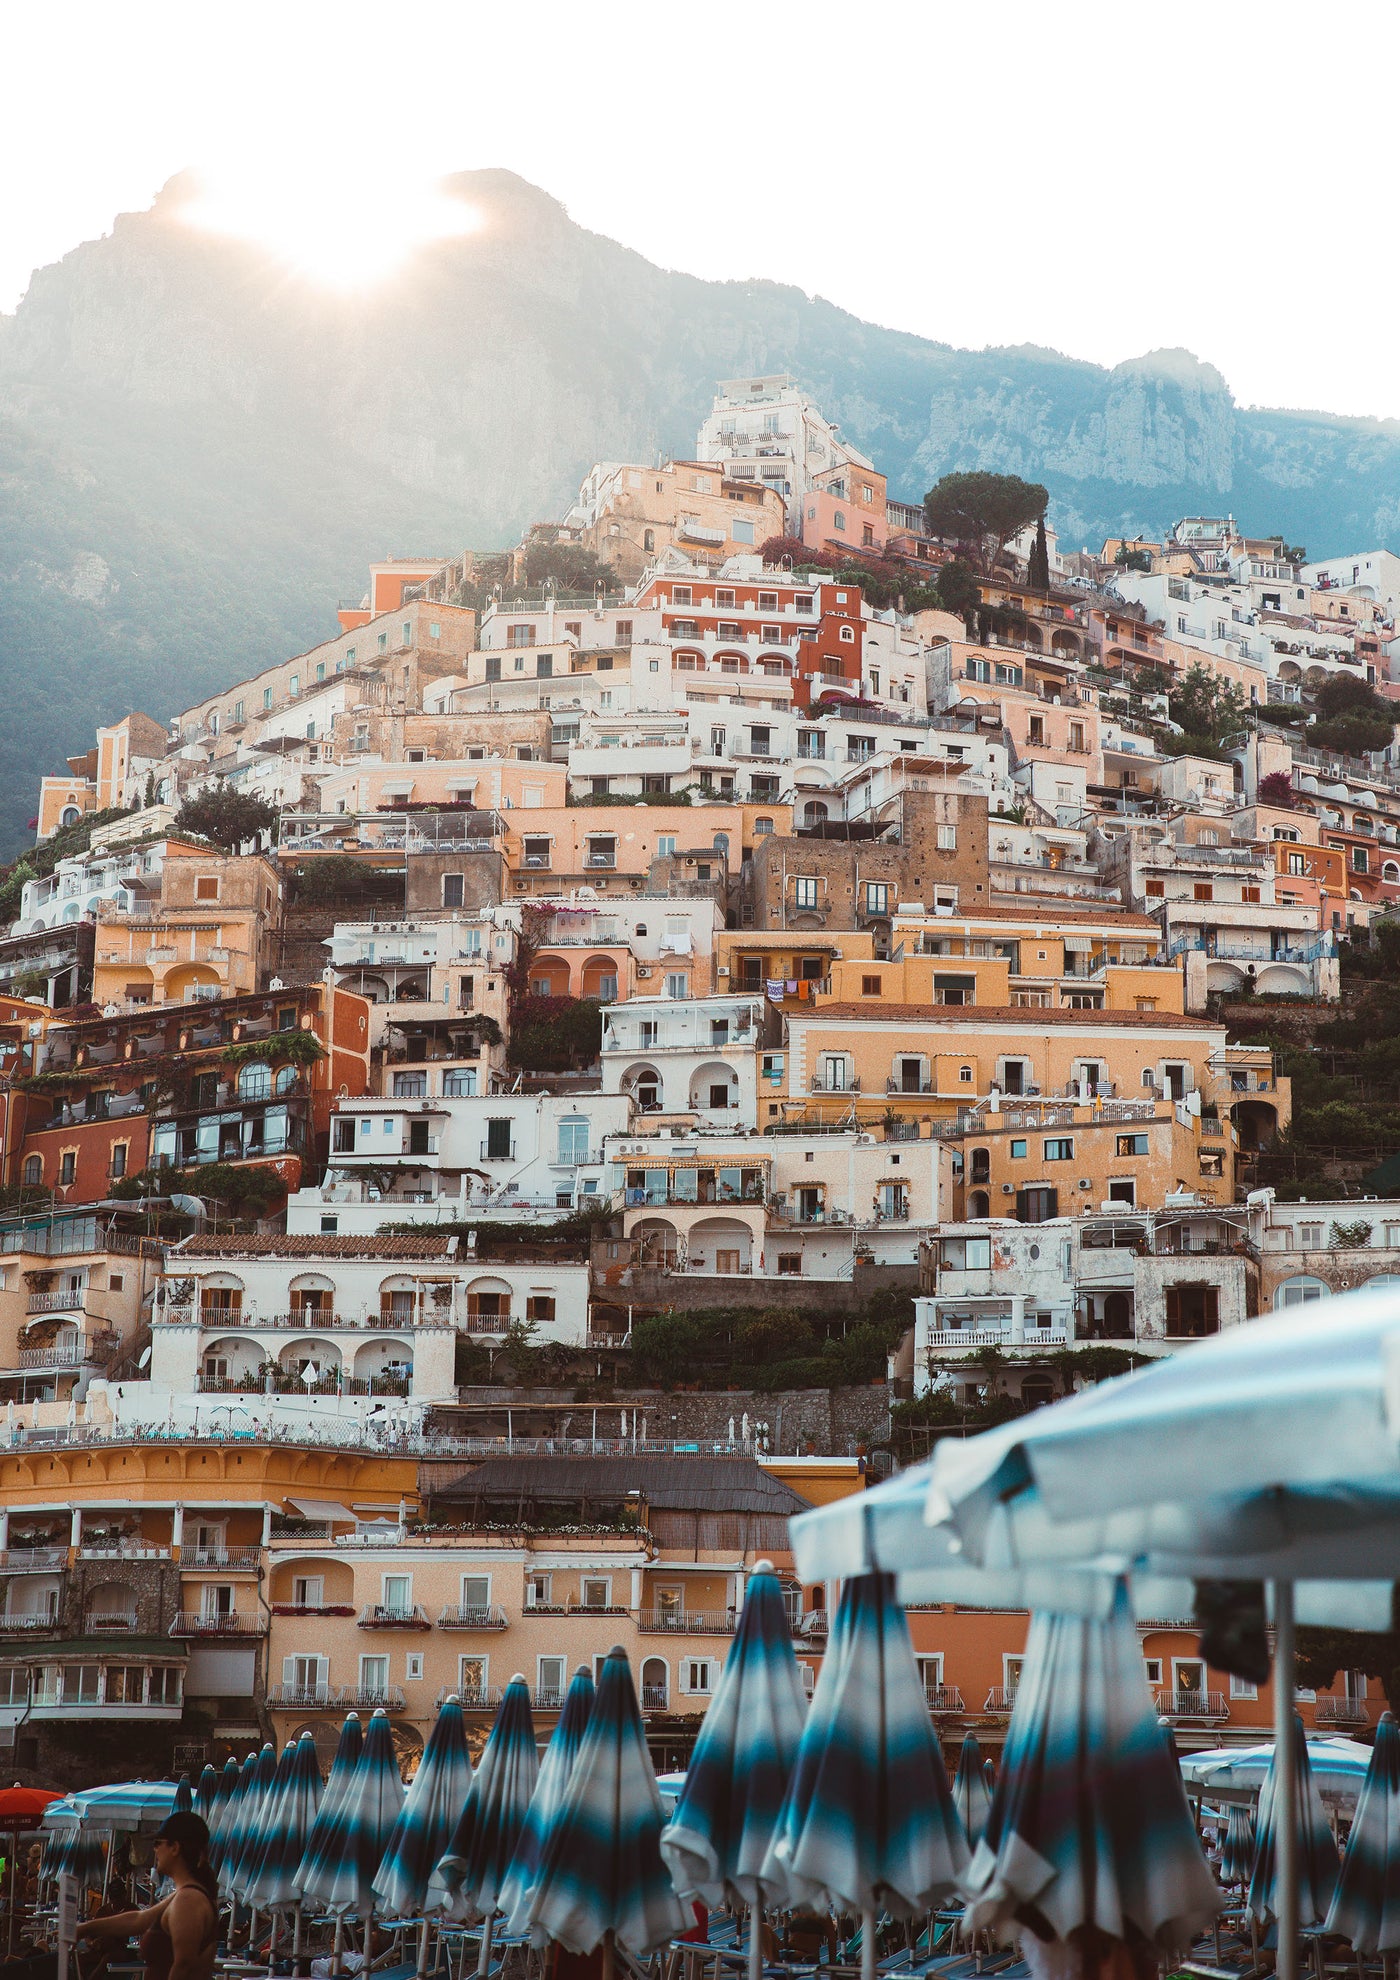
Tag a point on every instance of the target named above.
point(289, 1672)
point(323, 1673)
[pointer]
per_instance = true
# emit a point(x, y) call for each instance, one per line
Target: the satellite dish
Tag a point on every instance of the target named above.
point(145, 1360)
point(188, 1206)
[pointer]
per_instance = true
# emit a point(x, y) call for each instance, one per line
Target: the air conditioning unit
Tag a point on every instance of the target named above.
point(1008, 1189)
point(1084, 1183)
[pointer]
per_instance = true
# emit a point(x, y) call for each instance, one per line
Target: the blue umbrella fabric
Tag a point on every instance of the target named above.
point(1317, 1851)
point(602, 1872)
point(1366, 1904)
point(868, 1821)
point(340, 1872)
point(717, 1841)
point(346, 1759)
point(972, 1791)
point(424, 1829)
point(551, 1786)
point(206, 1795)
point(223, 1851)
point(182, 1802)
point(471, 1872)
point(1090, 1824)
point(1237, 1852)
point(288, 1818)
point(251, 1808)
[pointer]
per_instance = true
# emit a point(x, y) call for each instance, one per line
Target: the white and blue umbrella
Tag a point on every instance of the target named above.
point(1315, 1846)
point(601, 1878)
point(226, 1811)
point(1089, 1826)
point(972, 1790)
point(551, 1787)
point(868, 1822)
point(1366, 1903)
point(717, 1842)
point(243, 1843)
point(182, 1802)
point(424, 1829)
point(289, 1816)
point(471, 1873)
point(1237, 1851)
point(129, 1805)
point(206, 1795)
point(339, 1872)
point(1236, 1773)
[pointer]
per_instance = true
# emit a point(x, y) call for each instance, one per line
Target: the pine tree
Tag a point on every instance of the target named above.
point(1038, 572)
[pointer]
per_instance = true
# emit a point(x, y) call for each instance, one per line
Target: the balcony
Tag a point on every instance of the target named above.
point(1000, 1702)
point(382, 1615)
point(1210, 1705)
point(462, 1615)
point(113, 1624)
point(121, 1550)
point(33, 1560)
point(28, 1625)
point(1338, 1711)
point(70, 1301)
point(471, 1697)
point(655, 1698)
point(687, 1622)
point(349, 1697)
point(580, 1608)
point(497, 1154)
point(232, 1558)
point(941, 1698)
point(58, 1354)
point(218, 1625)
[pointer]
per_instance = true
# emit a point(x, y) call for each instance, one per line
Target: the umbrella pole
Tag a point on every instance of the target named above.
point(484, 1960)
point(867, 1946)
point(296, 1938)
point(339, 1941)
point(423, 1947)
point(756, 1935)
point(1286, 1785)
point(609, 1962)
point(10, 1917)
point(369, 1940)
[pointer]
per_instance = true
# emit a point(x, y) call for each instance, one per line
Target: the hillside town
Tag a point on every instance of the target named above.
point(637, 1035)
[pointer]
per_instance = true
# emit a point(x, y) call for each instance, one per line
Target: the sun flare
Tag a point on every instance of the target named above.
point(341, 229)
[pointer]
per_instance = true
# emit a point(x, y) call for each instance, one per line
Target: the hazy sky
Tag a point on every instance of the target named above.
point(993, 174)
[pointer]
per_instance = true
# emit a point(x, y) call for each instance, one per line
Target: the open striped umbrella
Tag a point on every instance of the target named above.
point(238, 1858)
point(285, 1828)
point(471, 1873)
point(430, 1811)
point(556, 1770)
point(340, 1872)
point(601, 1878)
point(1366, 1902)
point(126, 1804)
point(225, 1809)
point(1316, 1850)
point(1089, 1826)
point(1237, 1853)
point(207, 1793)
point(972, 1791)
point(717, 1842)
point(869, 1822)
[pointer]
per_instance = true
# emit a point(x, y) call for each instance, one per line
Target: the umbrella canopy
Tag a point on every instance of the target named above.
point(1236, 1773)
point(868, 1820)
point(429, 1815)
point(972, 1791)
point(79, 1853)
point(225, 1810)
point(556, 1769)
point(471, 1872)
point(183, 1804)
point(21, 1807)
point(320, 1843)
point(1316, 1849)
point(601, 1871)
point(340, 1873)
point(718, 1839)
point(125, 1805)
point(252, 1809)
point(1237, 1856)
point(206, 1795)
point(1366, 1903)
point(1089, 1825)
point(285, 1827)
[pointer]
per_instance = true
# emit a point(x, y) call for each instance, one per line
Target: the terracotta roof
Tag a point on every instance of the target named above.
point(688, 1484)
point(1027, 1017)
point(280, 1246)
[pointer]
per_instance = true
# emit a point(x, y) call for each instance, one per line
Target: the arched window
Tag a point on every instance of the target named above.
point(286, 1080)
point(69, 815)
point(981, 1165)
point(33, 1169)
point(1299, 1291)
point(721, 842)
point(255, 1082)
point(978, 1204)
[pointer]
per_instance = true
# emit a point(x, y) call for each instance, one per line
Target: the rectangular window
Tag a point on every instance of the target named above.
point(374, 1677)
point(1203, 891)
point(804, 893)
point(398, 1594)
point(1060, 1148)
point(1018, 1151)
point(678, 986)
point(453, 886)
point(877, 897)
point(1131, 1144)
point(946, 838)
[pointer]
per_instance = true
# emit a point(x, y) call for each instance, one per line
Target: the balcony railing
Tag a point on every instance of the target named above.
point(122, 1550)
point(58, 1354)
point(687, 1622)
point(384, 1615)
point(221, 1557)
point(219, 1625)
point(1338, 1711)
point(943, 1698)
point(70, 1301)
point(471, 1697)
point(815, 1625)
point(490, 1154)
point(466, 1615)
point(1000, 1701)
point(655, 1698)
point(33, 1560)
point(353, 1697)
point(112, 1624)
point(22, 1625)
point(1193, 1704)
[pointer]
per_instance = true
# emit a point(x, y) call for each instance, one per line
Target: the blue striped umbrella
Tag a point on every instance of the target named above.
point(340, 1872)
point(126, 1804)
point(1366, 1903)
point(556, 1770)
point(225, 1810)
point(238, 1858)
point(320, 1843)
point(1089, 1826)
point(1237, 1854)
point(717, 1841)
point(869, 1821)
point(206, 1794)
point(972, 1791)
point(288, 1816)
point(183, 1802)
point(1317, 1859)
point(601, 1878)
point(430, 1811)
point(471, 1873)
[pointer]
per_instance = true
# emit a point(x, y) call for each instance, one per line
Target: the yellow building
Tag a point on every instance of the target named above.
point(206, 935)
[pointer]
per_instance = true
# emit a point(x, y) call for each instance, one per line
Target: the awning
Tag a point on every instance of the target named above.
point(321, 1509)
point(1079, 945)
point(397, 789)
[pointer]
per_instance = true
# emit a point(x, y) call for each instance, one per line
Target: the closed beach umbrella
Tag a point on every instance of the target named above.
point(183, 1803)
point(340, 1873)
point(471, 1872)
point(555, 1772)
point(1366, 1904)
point(285, 1829)
point(206, 1795)
point(717, 1841)
point(1316, 1849)
point(868, 1822)
point(1089, 1826)
point(252, 1808)
point(1237, 1855)
point(601, 1878)
point(972, 1791)
point(429, 1815)
point(225, 1809)
point(320, 1843)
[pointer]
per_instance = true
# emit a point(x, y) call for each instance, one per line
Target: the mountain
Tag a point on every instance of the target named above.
point(199, 456)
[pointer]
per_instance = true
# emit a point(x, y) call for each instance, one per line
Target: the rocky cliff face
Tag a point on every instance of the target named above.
point(198, 457)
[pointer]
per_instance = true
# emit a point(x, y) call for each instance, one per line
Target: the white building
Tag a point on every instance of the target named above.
point(767, 429)
point(696, 1057)
point(1371, 574)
